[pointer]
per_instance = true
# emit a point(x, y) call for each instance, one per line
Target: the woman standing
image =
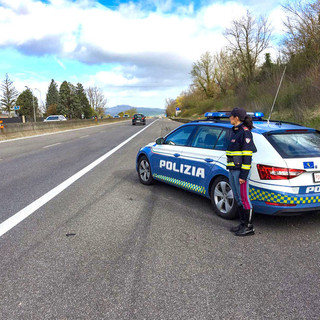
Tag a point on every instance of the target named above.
point(239, 156)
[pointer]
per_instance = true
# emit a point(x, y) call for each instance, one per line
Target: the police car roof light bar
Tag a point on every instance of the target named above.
point(217, 115)
point(226, 114)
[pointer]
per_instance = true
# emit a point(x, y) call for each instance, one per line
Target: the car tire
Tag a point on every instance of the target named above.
point(222, 198)
point(144, 171)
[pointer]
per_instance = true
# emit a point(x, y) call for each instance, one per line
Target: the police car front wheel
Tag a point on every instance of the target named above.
point(222, 198)
point(144, 171)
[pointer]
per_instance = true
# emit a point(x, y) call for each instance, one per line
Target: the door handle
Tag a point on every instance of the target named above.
point(208, 160)
point(177, 155)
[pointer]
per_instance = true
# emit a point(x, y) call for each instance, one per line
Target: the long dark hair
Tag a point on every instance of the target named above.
point(247, 122)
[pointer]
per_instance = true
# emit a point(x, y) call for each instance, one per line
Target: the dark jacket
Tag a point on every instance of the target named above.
point(240, 149)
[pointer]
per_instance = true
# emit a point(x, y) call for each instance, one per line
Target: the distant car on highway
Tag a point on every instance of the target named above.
point(116, 117)
point(285, 170)
point(126, 116)
point(138, 118)
point(55, 118)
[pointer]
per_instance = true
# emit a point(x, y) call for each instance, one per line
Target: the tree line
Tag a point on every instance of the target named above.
point(243, 73)
point(72, 101)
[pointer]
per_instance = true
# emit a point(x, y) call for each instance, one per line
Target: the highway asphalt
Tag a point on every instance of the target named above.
point(108, 247)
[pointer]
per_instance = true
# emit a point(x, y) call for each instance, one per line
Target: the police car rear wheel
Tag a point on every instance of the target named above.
point(144, 170)
point(222, 198)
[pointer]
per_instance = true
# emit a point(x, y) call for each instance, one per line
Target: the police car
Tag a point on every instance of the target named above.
point(285, 172)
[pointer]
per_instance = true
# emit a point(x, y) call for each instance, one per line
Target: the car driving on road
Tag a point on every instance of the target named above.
point(285, 172)
point(138, 118)
point(55, 118)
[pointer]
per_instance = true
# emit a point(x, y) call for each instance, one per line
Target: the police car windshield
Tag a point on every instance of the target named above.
point(296, 144)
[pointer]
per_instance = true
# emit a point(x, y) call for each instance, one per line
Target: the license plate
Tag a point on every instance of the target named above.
point(316, 176)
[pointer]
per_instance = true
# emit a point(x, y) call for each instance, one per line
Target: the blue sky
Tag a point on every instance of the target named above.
point(139, 52)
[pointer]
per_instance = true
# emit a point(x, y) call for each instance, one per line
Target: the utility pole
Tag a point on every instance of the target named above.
point(34, 111)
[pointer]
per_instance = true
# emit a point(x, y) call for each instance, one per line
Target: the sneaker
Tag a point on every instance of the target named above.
point(245, 231)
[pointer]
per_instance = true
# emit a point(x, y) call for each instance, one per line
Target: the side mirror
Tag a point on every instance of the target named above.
point(160, 141)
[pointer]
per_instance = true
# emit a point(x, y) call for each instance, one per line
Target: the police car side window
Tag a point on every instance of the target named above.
point(222, 143)
point(206, 137)
point(180, 137)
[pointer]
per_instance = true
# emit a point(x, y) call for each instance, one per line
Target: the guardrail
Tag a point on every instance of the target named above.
point(183, 120)
point(31, 128)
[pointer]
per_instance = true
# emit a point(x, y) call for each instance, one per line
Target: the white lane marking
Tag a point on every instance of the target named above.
point(51, 145)
point(31, 208)
point(88, 135)
point(62, 131)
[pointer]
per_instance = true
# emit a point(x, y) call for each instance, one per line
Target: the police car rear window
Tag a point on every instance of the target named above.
point(296, 144)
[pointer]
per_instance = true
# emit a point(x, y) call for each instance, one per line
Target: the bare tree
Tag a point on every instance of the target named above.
point(226, 71)
point(247, 38)
point(9, 94)
point(203, 75)
point(97, 99)
point(303, 29)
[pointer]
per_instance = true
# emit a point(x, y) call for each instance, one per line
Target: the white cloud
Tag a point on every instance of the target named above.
point(219, 15)
point(276, 18)
point(154, 48)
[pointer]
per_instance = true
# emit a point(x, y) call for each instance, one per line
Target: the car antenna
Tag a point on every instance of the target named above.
point(275, 98)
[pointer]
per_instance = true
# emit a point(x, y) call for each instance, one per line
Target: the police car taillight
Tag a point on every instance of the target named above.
point(280, 204)
point(276, 173)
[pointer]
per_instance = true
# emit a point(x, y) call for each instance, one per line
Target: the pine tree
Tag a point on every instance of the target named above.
point(26, 104)
point(8, 95)
point(75, 104)
point(84, 102)
point(52, 98)
point(64, 99)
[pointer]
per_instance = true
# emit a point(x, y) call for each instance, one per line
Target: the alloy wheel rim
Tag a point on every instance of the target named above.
point(144, 170)
point(223, 197)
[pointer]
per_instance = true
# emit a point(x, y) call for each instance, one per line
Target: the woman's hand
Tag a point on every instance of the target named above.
point(241, 181)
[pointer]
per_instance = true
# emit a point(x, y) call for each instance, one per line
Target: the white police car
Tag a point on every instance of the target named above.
point(285, 172)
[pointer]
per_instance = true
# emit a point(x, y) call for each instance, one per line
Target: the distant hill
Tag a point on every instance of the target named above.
point(146, 111)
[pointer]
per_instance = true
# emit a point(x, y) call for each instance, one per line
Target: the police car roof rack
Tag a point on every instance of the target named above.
point(280, 122)
point(216, 116)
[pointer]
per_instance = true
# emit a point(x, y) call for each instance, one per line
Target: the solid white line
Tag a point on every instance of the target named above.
point(88, 135)
point(51, 145)
point(31, 208)
point(62, 131)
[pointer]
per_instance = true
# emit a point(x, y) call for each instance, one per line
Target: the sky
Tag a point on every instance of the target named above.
point(139, 52)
